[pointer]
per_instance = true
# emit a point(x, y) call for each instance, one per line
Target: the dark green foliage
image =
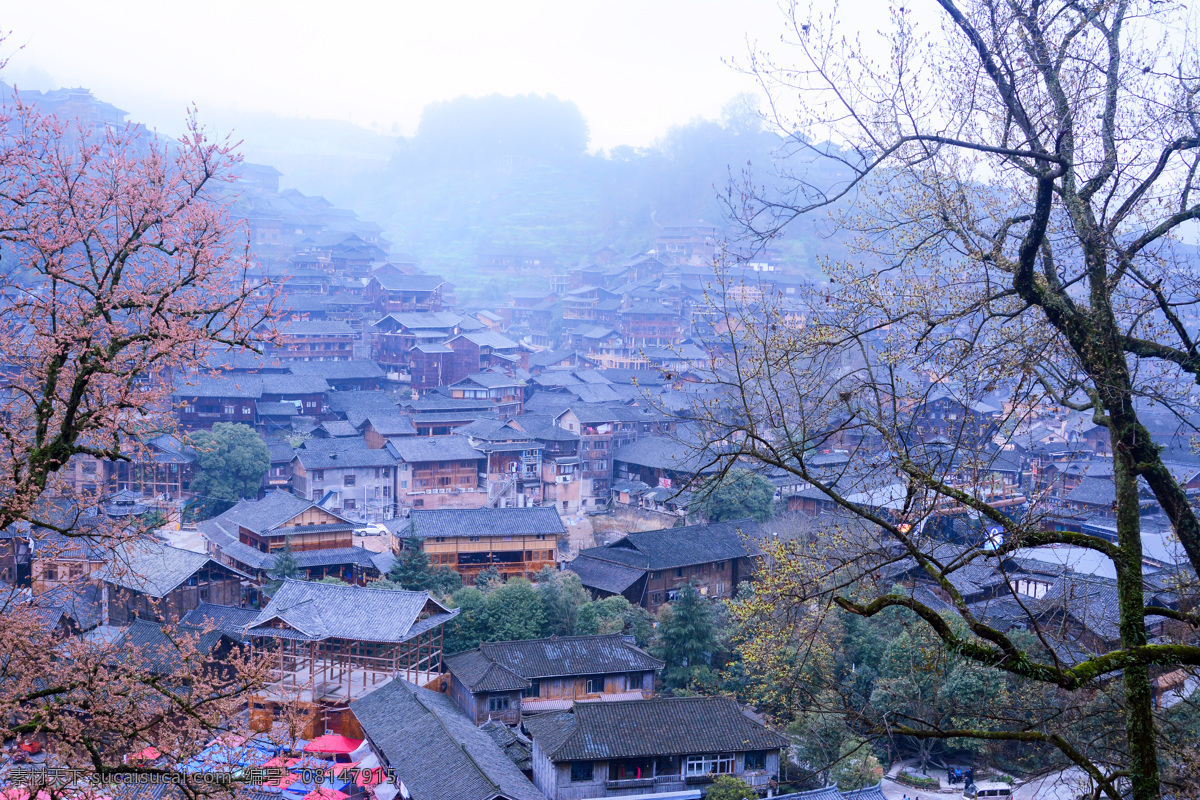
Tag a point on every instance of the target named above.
point(686, 638)
point(563, 596)
point(286, 566)
point(557, 605)
point(727, 787)
point(231, 461)
point(487, 578)
point(513, 611)
point(412, 571)
point(152, 520)
point(616, 615)
point(466, 630)
point(740, 494)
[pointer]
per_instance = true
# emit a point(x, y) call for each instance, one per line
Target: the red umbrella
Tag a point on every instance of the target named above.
point(333, 743)
point(326, 794)
point(340, 769)
point(149, 754)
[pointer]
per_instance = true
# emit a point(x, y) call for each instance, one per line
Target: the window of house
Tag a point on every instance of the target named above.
point(498, 702)
point(709, 764)
point(229, 409)
point(348, 480)
point(582, 771)
point(534, 690)
point(418, 503)
point(595, 684)
point(387, 491)
point(349, 504)
point(50, 572)
point(633, 681)
point(756, 759)
point(679, 572)
point(318, 475)
point(473, 538)
point(246, 410)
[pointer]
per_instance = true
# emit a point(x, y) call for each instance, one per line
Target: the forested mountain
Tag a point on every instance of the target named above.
point(515, 174)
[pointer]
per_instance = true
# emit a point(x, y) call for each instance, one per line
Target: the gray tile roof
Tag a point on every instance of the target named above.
point(410, 283)
point(660, 726)
point(435, 750)
point(1093, 492)
point(481, 674)
point(665, 452)
point(356, 406)
point(605, 576)
point(680, 547)
point(514, 745)
point(490, 380)
point(415, 450)
point(316, 327)
point(242, 386)
point(327, 611)
point(338, 370)
point(230, 620)
point(293, 384)
point(391, 424)
point(157, 652)
point(455, 522)
point(153, 568)
point(275, 510)
point(866, 793)
point(335, 428)
point(567, 655)
point(824, 793)
point(359, 556)
point(342, 454)
point(490, 339)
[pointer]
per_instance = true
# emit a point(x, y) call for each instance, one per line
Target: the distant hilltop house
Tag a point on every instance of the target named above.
point(392, 293)
point(313, 340)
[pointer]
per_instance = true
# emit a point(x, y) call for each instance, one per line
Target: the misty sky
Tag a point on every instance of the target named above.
point(634, 67)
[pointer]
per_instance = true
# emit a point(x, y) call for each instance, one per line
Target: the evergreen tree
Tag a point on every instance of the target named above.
point(411, 567)
point(487, 578)
point(686, 637)
point(285, 567)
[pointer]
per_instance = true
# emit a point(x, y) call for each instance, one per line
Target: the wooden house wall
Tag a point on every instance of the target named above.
point(125, 605)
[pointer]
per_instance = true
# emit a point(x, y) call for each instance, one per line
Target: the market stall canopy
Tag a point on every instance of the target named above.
point(332, 743)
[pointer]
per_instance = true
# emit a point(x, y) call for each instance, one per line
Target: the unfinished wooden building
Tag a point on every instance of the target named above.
point(330, 645)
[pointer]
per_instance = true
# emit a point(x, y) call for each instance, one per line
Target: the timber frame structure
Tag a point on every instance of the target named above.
point(329, 645)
